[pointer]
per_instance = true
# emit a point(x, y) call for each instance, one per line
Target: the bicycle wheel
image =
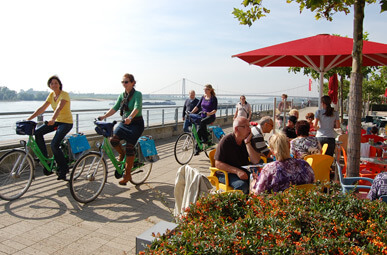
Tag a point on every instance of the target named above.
point(184, 148)
point(140, 172)
point(16, 174)
point(88, 177)
point(209, 147)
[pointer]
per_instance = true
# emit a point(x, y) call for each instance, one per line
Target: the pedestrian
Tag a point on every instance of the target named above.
point(189, 105)
point(243, 109)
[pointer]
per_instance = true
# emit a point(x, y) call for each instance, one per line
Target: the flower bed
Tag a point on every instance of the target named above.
point(294, 222)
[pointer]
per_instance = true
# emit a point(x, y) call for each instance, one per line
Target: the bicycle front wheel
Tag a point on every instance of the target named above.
point(184, 148)
point(140, 172)
point(88, 177)
point(16, 174)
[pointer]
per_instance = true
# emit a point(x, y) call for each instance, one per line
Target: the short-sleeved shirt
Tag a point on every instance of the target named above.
point(134, 103)
point(379, 186)
point(229, 152)
point(243, 110)
point(207, 105)
point(303, 146)
point(258, 141)
point(65, 115)
point(326, 123)
point(279, 175)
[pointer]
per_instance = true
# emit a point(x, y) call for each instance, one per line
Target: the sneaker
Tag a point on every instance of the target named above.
point(46, 172)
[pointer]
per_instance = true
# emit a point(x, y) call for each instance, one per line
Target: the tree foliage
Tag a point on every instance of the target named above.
point(29, 95)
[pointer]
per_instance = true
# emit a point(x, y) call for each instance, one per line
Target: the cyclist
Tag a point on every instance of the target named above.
point(208, 104)
point(61, 121)
point(130, 105)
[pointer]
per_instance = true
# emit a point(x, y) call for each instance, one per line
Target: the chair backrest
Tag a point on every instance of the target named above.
point(365, 138)
point(211, 155)
point(344, 139)
point(340, 173)
point(321, 165)
point(324, 148)
point(383, 198)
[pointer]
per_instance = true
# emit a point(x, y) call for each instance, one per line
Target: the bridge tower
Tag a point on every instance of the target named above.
point(183, 88)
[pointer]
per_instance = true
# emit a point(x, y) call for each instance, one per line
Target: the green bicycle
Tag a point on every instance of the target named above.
point(17, 167)
point(89, 174)
point(187, 142)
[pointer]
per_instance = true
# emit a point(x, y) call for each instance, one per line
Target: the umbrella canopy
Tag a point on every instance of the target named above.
point(333, 86)
point(321, 52)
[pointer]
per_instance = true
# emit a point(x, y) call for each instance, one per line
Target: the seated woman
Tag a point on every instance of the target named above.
point(279, 175)
point(379, 186)
point(304, 144)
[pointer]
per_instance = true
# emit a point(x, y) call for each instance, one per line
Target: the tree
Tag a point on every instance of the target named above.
point(326, 9)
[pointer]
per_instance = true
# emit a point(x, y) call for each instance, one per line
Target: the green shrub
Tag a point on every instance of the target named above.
point(293, 222)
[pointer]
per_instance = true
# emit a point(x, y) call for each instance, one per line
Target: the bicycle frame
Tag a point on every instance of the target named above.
point(196, 136)
point(31, 144)
point(105, 147)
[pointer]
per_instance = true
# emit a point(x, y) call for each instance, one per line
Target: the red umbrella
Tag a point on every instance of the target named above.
point(333, 86)
point(321, 52)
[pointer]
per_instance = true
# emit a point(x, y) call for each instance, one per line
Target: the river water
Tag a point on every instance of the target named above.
point(85, 119)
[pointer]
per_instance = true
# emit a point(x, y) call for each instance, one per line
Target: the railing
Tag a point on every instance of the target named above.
point(153, 116)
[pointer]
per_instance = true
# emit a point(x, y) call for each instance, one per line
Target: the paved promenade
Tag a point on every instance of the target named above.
point(47, 220)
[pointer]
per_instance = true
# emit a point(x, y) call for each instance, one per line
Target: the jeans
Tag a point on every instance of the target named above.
point(61, 131)
point(202, 132)
point(235, 182)
point(331, 144)
point(186, 125)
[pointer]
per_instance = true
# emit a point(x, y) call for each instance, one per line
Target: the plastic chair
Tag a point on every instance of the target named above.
point(321, 165)
point(214, 179)
point(306, 187)
point(324, 148)
point(264, 159)
point(383, 198)
point(344, 139)
point(347, 184)
point(377, 139)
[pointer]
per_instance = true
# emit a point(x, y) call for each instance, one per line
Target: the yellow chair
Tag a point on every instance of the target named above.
point(264, 159)
point(324, 148)
point(321, 165)
point(214, 179)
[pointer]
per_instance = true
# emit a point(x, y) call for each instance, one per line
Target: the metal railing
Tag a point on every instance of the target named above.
point(83, 119)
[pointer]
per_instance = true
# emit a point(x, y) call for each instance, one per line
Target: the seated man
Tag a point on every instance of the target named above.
point(379, 186)
point(265, 126)
point(290, 130)
point(233, 152)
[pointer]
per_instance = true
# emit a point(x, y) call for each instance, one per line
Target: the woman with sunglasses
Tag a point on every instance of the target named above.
point(61, 121)
point(208, 104)
point(130, 129)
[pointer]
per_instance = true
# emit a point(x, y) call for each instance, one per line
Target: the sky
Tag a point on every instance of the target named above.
point(90, 44)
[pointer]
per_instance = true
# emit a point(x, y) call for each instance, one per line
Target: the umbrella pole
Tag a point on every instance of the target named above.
point(321, 89)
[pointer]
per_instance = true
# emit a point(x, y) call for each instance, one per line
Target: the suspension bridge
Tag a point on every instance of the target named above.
point(181, 88)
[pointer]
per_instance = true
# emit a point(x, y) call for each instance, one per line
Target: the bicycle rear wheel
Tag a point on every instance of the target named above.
point(88, 177)
point(16, 174)
point(140, 172)
point(184, 148)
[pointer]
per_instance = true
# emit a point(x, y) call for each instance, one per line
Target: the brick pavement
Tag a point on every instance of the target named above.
point(47, 220)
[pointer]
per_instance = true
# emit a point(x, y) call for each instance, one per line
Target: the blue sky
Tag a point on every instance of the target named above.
point(91, 44)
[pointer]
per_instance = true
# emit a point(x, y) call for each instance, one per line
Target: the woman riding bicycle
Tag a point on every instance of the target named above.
point(61, 121)
point(208, 104)
point(130, 105)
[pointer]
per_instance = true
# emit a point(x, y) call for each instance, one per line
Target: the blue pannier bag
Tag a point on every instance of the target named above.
point(25, 127)
point(104, 128)
point(78, 143)
point(218, 131)
point(148, 148)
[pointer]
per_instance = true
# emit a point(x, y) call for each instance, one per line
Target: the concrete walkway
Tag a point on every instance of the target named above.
point(47, 220)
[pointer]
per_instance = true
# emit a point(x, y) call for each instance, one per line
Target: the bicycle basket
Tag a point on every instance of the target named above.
point(25, 127)
point(195, 118)
point(104, 128)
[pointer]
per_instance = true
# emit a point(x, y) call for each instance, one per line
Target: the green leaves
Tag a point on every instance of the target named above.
point(292, 222)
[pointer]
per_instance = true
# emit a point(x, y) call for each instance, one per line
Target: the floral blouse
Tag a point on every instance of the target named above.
point(303, 146)
point(379, 186)
point(279, 175)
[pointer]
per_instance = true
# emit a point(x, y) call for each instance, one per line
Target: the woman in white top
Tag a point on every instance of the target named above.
point(327, 119)
point(243, 109)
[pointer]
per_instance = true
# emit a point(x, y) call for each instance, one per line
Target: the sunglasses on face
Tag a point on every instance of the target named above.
point(124, 82)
